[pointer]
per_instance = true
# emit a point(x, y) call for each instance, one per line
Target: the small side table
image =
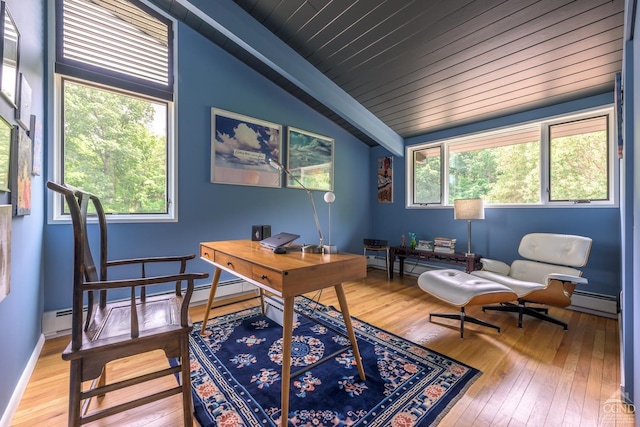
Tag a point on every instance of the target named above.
point(376, 249)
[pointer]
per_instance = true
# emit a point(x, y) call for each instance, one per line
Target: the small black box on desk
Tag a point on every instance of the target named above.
point(260, 232)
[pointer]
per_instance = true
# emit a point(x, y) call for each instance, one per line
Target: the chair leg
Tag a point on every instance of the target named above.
point(75, 389)
point(462, 316)
point(187, 401)
point(520, 308)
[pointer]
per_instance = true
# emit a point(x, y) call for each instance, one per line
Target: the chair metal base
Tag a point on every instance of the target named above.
point(541, 313)
point(462, 316)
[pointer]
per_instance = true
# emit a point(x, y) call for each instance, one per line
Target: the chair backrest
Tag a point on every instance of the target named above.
point(559, 249)
point(84, 267)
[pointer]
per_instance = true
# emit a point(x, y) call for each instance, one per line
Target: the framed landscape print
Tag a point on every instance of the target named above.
point(310, 159)
point(21, 185)
point(6, 139)
point(241, 147)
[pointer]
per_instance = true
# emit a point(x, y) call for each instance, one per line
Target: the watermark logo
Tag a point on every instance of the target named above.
point(615, 411)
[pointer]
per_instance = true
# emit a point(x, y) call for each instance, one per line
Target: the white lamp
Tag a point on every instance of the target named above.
point(329, 198)
point(468, 209)
point(310, 248)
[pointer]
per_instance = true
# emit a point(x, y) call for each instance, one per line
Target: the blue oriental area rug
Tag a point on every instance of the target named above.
point(235, 373)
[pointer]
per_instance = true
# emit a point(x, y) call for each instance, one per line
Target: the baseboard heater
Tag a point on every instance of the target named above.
point(58, 322)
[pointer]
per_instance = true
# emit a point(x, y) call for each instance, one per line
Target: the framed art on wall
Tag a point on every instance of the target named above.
point(310, 159)
point(21, 185)
point(5, 250)
point(385, 179)
point(241, 147)
point(23, 112)
point(10, 48)
point(6, 141)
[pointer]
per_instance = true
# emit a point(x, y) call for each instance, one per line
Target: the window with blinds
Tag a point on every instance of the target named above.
point(117, 42)
point(114, 107)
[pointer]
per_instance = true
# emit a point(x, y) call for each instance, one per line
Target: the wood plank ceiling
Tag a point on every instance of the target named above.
point(422, 66)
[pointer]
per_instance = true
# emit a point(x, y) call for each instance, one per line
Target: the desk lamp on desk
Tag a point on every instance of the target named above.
point(319, 249)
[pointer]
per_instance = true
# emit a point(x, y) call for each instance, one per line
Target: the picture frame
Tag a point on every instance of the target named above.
point(5, 250)
point(23, 110)
point(35, 133)
point(241, 147)
point(310, 159)
point(6, 142)
point(10, 54)
point(21, 188)
point(385, 179)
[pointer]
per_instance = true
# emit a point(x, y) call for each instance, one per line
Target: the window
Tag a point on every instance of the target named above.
point(562, 161)
point(114, 93)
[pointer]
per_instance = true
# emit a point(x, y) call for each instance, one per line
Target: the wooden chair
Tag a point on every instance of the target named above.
point(117, 329)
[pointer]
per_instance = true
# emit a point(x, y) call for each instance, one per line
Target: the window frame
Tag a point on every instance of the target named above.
point(131, 88)
point(544, 126)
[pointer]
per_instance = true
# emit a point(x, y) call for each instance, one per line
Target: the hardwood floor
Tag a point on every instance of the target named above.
point(536, 376)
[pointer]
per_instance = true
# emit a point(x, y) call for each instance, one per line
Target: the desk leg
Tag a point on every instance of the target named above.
point(352, 336)
point(392, 261)
point(287, 332)
point(212, 294)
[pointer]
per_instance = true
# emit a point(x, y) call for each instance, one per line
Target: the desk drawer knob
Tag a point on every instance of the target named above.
point(229, 263)
point(264, 276)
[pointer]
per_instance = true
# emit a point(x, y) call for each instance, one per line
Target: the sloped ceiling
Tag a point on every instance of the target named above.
point(426, 65)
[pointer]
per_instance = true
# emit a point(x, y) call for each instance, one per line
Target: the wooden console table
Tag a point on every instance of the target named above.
point(286, 275)
point(471, 263)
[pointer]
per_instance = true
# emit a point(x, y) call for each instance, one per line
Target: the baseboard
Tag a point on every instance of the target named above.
point(19, 389)
point(58, 322)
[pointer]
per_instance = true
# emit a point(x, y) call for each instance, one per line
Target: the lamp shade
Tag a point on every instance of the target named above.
point(468, 209)
point(329, 197)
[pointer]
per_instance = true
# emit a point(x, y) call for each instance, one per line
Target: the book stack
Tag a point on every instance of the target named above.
point(444, 245)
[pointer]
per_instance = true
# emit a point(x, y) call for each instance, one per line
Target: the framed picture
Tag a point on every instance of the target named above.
point(310, 159)
point(21, 188)
point(5, 250)
point(9, 49)
point(385, 179)
point(35, 133)
point(241, 147)
point(23, 112)
point(6, 141)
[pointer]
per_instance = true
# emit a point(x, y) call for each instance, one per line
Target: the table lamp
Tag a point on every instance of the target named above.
point(329, 198)
point(307, 248)
point(468, 209)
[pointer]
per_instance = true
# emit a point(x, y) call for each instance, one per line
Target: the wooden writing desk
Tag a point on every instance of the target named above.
point(286, 275)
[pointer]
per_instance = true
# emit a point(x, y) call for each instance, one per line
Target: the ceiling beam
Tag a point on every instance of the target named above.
point(232, 21)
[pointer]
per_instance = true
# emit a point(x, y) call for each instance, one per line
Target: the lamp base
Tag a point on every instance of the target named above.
point(312, 249)
point(469, 254)
point(330, 249)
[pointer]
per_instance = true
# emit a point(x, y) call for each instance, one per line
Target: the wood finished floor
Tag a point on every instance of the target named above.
point(536, 376)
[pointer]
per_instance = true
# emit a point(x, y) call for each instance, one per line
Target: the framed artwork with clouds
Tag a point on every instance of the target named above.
point(241, 147)
point(310, 159)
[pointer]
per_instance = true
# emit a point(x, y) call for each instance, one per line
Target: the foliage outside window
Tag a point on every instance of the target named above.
point(114, 95)
point(506, 167)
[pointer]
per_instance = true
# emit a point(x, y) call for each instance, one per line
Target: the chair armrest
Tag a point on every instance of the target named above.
point(145, 281)
point(128, 261)
point(495, 266)
point(566, 278)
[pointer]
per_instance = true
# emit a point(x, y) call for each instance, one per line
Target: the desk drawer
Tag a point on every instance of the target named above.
point(237, 265)
point(270, 278)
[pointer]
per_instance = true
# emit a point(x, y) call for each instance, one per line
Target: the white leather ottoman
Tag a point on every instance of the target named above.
point(458, 288)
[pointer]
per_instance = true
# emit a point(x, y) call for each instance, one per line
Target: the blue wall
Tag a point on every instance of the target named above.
point(21, 310)
point(209, 77)
point(499, 234)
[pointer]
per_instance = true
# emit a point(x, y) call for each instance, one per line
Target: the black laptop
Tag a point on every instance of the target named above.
point(278, 240)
